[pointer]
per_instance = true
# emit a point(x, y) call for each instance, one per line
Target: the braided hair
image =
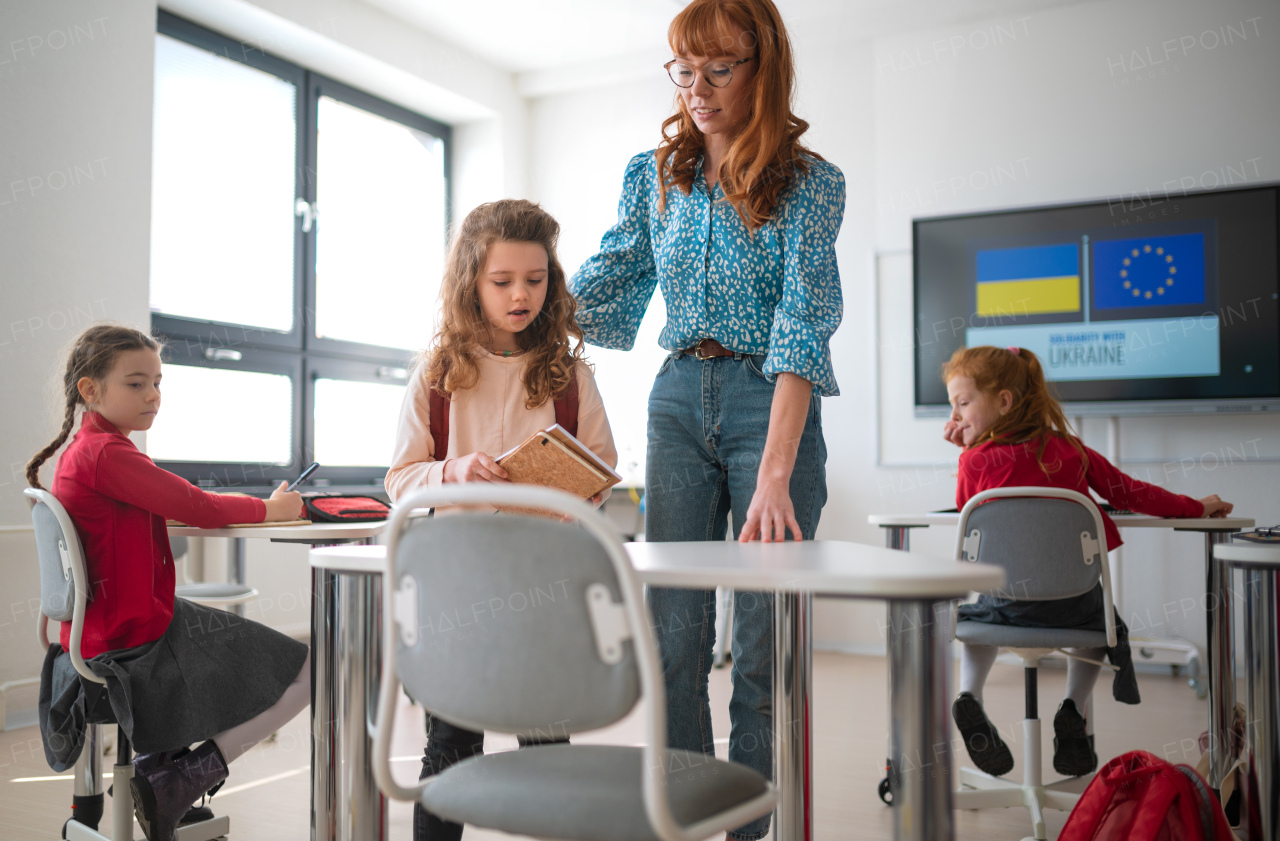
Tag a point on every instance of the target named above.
point(92, 356)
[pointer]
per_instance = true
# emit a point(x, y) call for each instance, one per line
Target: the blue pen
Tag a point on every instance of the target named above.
point(305, 474)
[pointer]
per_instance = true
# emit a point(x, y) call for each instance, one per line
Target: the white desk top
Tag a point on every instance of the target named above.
point(314, 533)
point(1124, 521)
point(826, 567)
point(1243, 554)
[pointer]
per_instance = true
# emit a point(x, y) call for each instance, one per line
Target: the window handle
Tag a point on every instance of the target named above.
point(222, 354)
point(387, 372)
point(308, 212)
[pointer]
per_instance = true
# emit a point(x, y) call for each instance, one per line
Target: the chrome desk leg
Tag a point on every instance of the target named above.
point(793, 716)
point(324, 766)
point(1221, 665)
point(1260, 804)
point(346, 658)
point(895, 537)
point(237, 569)
point(362, 808)
point(920, 765)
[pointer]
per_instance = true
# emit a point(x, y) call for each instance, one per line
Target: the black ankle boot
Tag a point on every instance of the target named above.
point(144, 762)
point(164, 792)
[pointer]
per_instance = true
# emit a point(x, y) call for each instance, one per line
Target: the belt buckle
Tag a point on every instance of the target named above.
point(697, 352)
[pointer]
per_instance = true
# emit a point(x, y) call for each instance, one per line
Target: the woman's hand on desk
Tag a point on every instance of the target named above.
point(770, 514)
point(283, 505)
point(477, 467)
point(1215, 507)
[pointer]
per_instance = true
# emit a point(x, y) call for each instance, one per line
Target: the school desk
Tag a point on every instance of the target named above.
point(915, 587)
point(1260, 601)
point(335, 634)
point(1217, 586)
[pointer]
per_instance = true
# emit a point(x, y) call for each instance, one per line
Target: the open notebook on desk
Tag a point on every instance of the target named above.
point(553, 458)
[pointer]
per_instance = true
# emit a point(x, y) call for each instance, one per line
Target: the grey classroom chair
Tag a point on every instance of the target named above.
point(64, 586)
point(1052, 545)
point(219, 594)
point(531, 626)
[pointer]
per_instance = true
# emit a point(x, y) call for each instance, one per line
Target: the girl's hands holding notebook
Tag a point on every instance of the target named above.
point(477, 467)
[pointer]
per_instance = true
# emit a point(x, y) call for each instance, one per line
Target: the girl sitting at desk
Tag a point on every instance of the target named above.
point(1014, 434)
point(506, 362)
point(176, 673)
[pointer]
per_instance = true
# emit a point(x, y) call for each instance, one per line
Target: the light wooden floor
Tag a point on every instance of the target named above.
point(267, 795)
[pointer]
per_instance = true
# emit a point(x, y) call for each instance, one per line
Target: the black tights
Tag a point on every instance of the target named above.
point(447, 745)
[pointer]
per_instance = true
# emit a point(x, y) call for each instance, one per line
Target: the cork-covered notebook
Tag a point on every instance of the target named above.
point(554, 458)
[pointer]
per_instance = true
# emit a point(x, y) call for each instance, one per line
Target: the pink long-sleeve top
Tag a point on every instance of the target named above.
point(119, 500)
point(489, 418)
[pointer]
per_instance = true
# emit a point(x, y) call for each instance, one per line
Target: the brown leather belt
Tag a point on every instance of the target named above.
point(708, 349)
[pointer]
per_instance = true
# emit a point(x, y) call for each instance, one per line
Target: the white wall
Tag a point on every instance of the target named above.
point(1036, 107)
point(76, 82)
point(1069, 104)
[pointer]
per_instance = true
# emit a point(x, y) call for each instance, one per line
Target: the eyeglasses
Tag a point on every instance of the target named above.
point(717, 73)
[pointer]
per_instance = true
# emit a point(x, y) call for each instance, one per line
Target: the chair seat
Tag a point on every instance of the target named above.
point(1013, 636)
point(584, 792)
point(215, 593)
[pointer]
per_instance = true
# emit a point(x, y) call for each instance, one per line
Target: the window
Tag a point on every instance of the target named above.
point(297, 242)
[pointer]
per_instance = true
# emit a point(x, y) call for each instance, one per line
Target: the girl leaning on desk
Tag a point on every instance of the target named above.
point(736, 221)
point(1014, 434)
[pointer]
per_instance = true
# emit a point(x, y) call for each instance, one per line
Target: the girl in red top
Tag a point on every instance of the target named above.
point(177, 673)
point(1014, 433)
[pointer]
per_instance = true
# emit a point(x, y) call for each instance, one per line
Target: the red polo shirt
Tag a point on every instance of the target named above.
point(119, 501)
point(1000, 465)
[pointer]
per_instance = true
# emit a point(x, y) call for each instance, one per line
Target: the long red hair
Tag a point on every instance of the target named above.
point(763, 160)
point(1035, 414)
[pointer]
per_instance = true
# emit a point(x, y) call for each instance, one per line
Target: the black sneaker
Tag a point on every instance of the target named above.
point(987, 750)
point(1073, 753)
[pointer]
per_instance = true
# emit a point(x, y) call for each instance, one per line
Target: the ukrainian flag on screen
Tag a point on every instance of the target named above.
point(1148, 271)
point(1029, 281)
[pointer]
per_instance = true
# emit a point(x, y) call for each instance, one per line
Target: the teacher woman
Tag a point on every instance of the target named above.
point(737, 222)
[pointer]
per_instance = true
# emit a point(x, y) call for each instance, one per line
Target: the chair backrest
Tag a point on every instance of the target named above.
point(1051, 543)
point(503, 631)
point(64, 581)
point(517, 623)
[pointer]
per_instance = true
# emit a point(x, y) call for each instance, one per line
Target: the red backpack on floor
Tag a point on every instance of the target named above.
point(1139, 797)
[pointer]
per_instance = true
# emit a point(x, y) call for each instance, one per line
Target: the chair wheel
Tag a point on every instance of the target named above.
point(885, 791)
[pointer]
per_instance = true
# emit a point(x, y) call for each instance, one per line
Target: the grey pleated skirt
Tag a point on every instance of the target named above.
point(210, 671)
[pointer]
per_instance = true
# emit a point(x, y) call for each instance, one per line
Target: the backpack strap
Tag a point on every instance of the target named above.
point(567, 407)
point(439, 407)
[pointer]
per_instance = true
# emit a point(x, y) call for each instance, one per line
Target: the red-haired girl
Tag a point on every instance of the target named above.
point(1014, 433)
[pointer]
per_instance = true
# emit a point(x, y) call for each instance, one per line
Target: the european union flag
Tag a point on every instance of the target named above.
point(1148, 271)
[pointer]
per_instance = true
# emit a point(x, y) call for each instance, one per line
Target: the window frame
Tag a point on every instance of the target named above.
point(299, 353)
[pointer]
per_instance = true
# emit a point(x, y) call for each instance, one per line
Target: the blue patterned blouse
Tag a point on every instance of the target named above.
point(774, 292)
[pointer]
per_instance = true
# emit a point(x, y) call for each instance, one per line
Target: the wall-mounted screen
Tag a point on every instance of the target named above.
point(1145, 304)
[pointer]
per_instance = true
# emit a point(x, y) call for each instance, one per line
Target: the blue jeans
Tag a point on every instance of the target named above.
point(707, 426)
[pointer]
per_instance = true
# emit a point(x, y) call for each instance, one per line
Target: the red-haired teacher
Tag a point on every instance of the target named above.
point(737, 222)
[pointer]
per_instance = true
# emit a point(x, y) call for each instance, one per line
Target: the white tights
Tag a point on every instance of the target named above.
point(976, 662)
point(297, 695)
